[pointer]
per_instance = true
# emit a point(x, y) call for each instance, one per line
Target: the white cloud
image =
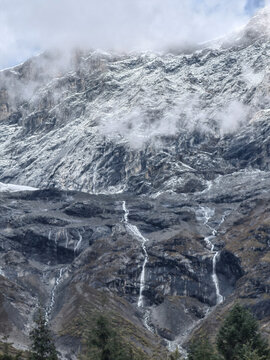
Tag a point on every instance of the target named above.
point(28, 25)
point(138, 127)
point(250, 77)
point(232, 117)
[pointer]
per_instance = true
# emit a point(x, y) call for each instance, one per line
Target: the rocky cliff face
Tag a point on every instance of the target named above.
point(162, 168)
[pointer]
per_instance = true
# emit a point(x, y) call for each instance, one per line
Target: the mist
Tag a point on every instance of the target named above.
point(28, 27)
point(140, 127)
point(31, 26)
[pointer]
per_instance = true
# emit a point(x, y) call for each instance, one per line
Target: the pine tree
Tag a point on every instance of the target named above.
point(247, 353)
point(42, 347)
point(239, 331)
point(201, 349)
point(6, 353)
point(175, 355)
point(104, 343)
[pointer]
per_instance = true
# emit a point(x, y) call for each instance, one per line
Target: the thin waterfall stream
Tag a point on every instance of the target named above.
point(53, 292)
point(138, 235)
point(78, 244)
point(136, 232)
point(208, 213)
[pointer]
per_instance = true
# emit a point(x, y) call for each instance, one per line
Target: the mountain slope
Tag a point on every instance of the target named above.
point(162, 168)
point(104, 122)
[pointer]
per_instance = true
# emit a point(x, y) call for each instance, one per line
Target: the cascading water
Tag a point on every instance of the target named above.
point(135, 231)
point(208, 213)
point(215, 279)
point(78, 244)
point(52, 299)
point(67, 238)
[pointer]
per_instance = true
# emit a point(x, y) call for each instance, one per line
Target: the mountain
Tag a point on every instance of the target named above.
point(148, 180)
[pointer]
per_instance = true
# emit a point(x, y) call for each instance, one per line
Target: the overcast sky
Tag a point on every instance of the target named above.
point(28, 27)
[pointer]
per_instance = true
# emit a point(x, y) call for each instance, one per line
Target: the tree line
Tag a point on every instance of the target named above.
point(237, 339)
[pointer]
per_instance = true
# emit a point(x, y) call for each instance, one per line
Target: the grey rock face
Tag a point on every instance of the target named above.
point(183, 140)
point(141, 123)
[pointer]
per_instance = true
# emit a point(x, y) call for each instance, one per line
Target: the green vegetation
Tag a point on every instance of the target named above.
point(104, 344)
point(81, 322)
point(6, 351)
point(239, 336)
point(237, 339)
point(42, 347)
point(201, 349)
point(175, 355)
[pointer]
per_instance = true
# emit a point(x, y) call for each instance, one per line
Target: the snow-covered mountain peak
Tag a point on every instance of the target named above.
point(258, 27)
point(259, 24)
point(107, 121)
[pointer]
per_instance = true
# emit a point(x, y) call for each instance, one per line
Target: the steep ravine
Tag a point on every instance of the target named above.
point(208, 213)
point(156, 255)
point(143, 203)
point(138, 235)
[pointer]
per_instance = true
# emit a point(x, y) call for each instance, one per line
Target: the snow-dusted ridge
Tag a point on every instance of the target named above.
point(182, 140)
point(107, 108)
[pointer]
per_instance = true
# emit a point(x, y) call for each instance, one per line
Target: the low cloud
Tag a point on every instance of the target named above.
point(232, 117)
point(251, 77)
point(140, 127)
point(30, 26)
point(122, 25)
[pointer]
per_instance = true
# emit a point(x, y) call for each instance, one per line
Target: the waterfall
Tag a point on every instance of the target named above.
point(208, 213)
point(146, 321)
point(136, 232)
point(215, 279)
point(78, 244)
point(66, 236)
point(173, 345)
point(52, 299)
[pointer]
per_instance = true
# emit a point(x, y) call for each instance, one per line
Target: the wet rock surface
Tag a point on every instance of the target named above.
point(44, 235)
point(172, 228)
